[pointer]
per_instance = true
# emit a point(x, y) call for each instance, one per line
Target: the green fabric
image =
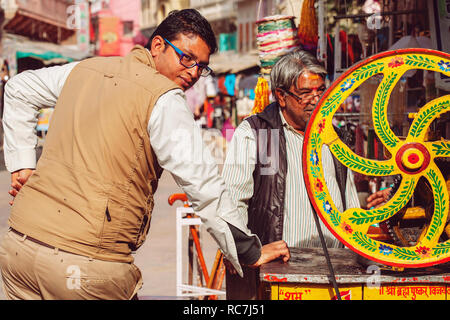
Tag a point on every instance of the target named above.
point(277, 25)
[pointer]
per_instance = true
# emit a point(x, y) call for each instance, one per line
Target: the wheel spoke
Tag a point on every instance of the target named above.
point(439, 148)
point(364, 218)
point(359, 164)
point(426, 115)
point(379, 111)
point(441, 206)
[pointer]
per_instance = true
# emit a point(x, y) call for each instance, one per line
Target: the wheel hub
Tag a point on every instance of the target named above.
point(412, 158)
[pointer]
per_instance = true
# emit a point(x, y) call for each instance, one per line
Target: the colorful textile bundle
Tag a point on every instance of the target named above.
point(277, 35)
point(308, 26)
point(261, 96)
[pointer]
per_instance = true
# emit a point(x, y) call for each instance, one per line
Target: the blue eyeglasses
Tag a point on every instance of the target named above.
point(188, 62)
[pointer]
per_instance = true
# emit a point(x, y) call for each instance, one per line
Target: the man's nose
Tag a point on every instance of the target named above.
point(194, 72)
point(316, 97)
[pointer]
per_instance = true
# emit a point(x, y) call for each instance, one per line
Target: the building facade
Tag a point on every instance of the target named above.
point(154, 11)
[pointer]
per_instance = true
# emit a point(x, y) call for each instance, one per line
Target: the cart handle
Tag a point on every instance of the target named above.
point(178, 196)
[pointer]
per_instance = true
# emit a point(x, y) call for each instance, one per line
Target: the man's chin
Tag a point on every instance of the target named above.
point(185, 86)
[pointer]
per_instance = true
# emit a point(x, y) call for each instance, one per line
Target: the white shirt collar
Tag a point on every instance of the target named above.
point(287, 125)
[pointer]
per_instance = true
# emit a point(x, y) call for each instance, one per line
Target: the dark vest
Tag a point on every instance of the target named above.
point(265, 210)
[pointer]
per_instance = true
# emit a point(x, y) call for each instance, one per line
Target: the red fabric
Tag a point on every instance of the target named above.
point(346, 47)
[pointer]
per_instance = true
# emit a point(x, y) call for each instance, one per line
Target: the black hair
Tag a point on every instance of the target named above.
point(187, 21)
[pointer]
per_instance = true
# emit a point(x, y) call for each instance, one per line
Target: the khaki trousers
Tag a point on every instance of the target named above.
point(31, 271)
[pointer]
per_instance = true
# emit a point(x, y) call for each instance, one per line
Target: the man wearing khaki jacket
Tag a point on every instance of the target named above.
point(111, 136)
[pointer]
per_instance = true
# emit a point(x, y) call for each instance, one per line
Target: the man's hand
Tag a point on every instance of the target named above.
point(269, 252)
point(272, 251)
point(378, 198)
point(18, 179)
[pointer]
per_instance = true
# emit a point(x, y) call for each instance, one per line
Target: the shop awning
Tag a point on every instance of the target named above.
point(16, 47)
point(49, 53)
point(31, 25)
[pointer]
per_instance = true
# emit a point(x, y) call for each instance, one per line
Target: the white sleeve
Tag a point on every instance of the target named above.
point(239, 166)
point(178, 145)
point(25, 94)
point(351, 195)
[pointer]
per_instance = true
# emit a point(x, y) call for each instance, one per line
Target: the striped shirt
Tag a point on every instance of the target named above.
point(299, 226)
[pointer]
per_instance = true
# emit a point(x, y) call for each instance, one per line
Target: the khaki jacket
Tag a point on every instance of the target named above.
point(92, 191)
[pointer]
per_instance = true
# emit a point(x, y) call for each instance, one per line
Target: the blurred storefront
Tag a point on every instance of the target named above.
point(38, 34)
point(116, 26)
point(25, 54)
point(44, 20)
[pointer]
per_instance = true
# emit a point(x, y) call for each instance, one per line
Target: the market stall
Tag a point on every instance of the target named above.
point(306, 277)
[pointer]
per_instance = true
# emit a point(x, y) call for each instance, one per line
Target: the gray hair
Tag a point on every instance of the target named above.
point(291, 66)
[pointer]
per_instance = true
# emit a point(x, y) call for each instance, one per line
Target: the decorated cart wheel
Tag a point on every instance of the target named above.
point(411, 158)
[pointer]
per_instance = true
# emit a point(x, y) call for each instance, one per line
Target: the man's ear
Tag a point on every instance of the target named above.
point(280, 97)
point(157, 46)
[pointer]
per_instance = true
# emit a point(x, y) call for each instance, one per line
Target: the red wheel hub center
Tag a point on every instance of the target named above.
point(412, 158)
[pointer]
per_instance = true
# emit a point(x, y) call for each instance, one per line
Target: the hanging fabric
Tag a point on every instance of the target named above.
point(261, 96)
point(308, 26)
point(229, 84)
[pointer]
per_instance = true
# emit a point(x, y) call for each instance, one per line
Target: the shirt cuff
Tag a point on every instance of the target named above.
point(20, 159)
point(247, 247)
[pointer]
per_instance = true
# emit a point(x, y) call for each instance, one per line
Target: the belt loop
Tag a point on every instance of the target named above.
point(56, 250)
point(24, 237)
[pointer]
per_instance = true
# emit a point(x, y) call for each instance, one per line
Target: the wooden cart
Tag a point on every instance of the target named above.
point(306, 277)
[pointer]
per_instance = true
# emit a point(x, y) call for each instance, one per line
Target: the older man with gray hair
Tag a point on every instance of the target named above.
point(263, 169)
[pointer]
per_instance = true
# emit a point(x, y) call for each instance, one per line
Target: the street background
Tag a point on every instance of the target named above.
point(340, 33)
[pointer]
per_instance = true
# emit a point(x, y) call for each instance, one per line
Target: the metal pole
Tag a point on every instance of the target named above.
point(383, 13)
point(327, 256)
point(322, 52)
